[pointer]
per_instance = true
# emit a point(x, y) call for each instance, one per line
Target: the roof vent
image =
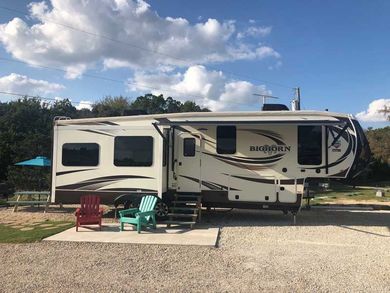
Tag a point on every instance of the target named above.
point(274, 107)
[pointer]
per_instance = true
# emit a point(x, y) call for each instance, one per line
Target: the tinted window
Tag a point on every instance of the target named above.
point(226, 139)
point(189, 147)
point(309, 145)
point(80, 154)
point(133, 151)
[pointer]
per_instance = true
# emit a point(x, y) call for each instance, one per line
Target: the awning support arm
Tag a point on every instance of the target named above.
point(159, 131)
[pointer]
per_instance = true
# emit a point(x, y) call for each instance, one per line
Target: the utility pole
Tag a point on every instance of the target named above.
point(296, 102)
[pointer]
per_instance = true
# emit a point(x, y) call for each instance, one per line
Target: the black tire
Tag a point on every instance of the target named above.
point(127, 204)
point(162, 210)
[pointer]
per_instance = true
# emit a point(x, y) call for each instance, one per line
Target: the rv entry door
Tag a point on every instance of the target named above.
point(188, 165)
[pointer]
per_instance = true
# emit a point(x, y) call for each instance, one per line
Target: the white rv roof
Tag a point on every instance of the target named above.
point(321, 117)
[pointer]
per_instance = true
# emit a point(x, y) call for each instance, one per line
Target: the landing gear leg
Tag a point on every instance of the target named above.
point(294, 217)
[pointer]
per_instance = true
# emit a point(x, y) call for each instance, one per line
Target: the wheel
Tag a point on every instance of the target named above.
point(128, 204)
point(161, 210)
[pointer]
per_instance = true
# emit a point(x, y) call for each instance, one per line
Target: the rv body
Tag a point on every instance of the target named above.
point(238, 159)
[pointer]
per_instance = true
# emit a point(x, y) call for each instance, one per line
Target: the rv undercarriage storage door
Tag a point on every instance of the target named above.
point(252, 188)
point(287, 190)
point(188, 164)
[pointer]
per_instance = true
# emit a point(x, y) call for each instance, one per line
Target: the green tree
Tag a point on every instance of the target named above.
point(63, 108)
point(152, 104)
point(25, 129)
point(111, 106)
point(190, 106)
point(379, 141)
point(172, 105)
point(149, 103)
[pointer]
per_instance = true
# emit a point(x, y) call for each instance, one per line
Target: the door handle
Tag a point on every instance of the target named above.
point(179, 163)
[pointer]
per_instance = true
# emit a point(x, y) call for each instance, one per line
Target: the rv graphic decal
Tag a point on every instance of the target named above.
point(271, 181)
point(106, 191)
point(278, 147)
point(348, 137)
point(72, 171)
point(99, 182)
point(275, 152)
point(209, 184)
point(243, 162)
point(97, 132)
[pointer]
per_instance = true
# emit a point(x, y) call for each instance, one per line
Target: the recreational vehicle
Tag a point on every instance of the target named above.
point(257, 160)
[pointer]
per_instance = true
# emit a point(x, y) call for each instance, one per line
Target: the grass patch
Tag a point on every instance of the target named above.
point(340, 191)
point(13, 235)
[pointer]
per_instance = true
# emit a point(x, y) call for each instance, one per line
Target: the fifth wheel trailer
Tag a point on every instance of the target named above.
point(255, 160)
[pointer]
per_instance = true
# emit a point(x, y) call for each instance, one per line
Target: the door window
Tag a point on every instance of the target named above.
point(189, 147)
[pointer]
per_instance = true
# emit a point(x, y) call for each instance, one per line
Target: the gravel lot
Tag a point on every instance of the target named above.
point(327, 251)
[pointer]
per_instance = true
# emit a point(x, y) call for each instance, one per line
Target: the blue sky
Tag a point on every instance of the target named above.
point(336, 51)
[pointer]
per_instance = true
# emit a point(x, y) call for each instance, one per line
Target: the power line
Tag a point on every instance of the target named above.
point(107, 79)
point(43, 98)
point(142, 48)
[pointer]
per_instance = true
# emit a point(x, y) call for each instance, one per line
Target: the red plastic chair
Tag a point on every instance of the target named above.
point(89, 213)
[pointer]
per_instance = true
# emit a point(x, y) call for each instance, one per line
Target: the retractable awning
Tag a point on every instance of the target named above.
point(165, 121)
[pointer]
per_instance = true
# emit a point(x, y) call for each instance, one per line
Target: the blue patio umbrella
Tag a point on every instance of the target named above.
point(38, 162)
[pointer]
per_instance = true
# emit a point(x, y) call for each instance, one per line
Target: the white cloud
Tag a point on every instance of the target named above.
point(16, 83)
point(372, 114)
point(136, 25)
point(255, 31)
point(84, 105)
point(277, 65)
point(210, 89)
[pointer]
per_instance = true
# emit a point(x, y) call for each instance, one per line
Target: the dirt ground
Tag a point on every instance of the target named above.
point(327, 251)
point(344, 201)
point(29, 215)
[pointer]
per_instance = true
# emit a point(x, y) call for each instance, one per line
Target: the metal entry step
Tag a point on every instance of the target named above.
point(186, 210)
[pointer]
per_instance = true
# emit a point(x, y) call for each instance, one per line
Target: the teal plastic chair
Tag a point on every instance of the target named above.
point(145, 215)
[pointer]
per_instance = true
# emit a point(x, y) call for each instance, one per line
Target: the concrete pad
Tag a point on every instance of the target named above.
point(166, 236)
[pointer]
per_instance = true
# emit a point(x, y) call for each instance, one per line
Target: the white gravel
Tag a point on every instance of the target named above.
point(258, 251)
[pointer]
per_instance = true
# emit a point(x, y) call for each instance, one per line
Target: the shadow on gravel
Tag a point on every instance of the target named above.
point(313, 217)
point(363, 231)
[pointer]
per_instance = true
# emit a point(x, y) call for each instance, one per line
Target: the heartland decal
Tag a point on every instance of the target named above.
point(336, 146)
point(270, 149)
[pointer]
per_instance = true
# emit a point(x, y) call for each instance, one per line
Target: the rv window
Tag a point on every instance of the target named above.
point(309, 145)
point(226, 139)
point(189, 147)
point(80, 154)
point(133, 151)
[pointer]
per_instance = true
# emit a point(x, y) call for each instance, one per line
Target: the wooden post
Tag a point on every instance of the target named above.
point(17, 204)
